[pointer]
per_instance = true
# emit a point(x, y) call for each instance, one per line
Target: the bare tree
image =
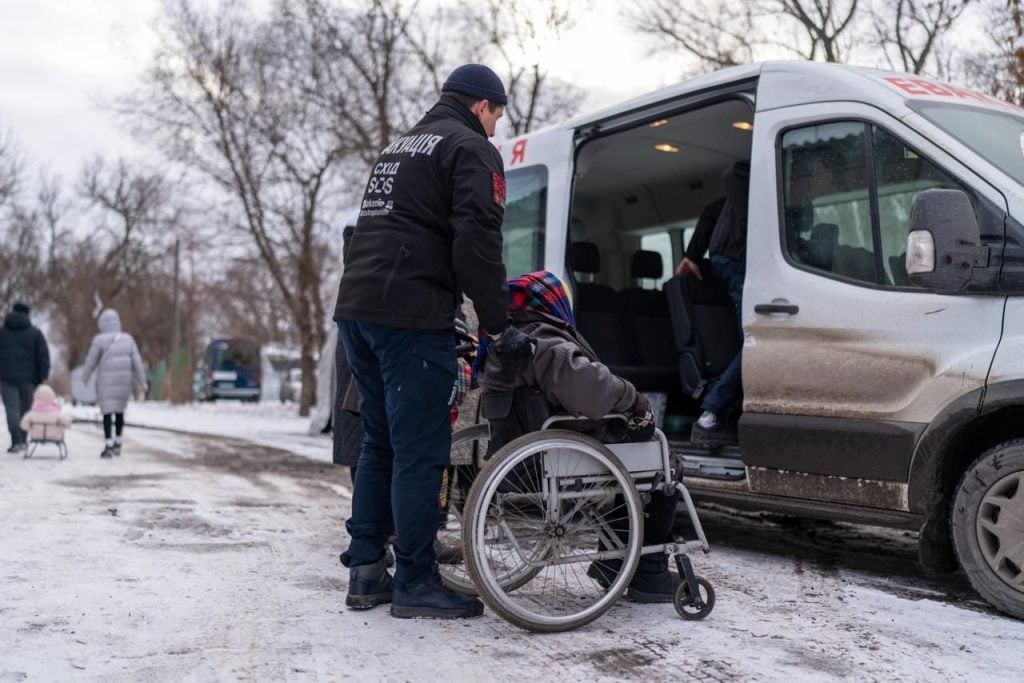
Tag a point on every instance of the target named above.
point(381, 67)
point(827, 24)
point(715, 32)
point(10, 167)
point(910, 32)
point(515, 33)
point(136, 216)
point(228, 96)
point(1000, 69)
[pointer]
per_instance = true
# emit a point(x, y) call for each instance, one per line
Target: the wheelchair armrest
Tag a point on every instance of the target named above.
point(574, 418)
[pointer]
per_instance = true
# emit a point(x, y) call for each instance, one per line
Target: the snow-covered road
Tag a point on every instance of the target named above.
point(212, 558)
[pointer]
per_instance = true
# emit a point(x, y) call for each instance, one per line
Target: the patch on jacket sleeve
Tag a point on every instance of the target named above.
point(498, 186)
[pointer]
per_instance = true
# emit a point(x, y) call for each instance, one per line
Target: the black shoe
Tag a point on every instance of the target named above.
point(17, 448)
point(108, 452)
point(431, 600)
point(710, 431)
point(604, 572)
point(652, 582)
point(369, 585)
point(117, 449)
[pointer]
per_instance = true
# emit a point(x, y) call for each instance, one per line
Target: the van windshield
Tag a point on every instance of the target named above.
point(997, 136)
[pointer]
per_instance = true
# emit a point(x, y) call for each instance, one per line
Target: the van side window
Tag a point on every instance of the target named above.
point(523, 228)
point(660, 242)
point(848, 188)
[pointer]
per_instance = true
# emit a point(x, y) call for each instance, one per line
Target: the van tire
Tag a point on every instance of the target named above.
point(992, 489)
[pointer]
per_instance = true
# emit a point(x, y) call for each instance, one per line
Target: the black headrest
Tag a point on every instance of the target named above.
point(584, 257)
point(646, 264)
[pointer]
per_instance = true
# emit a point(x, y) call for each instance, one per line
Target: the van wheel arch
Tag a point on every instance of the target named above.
point(948, 447)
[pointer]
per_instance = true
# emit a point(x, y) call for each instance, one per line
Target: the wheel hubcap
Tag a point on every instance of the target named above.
point(1001, 529)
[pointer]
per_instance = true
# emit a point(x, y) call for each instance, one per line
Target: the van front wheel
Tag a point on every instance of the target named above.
point(988, 526)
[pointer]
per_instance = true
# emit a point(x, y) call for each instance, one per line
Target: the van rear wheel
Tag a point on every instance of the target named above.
point(988, 526)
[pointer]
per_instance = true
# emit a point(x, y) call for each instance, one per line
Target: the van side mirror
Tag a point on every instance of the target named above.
point(944, 244)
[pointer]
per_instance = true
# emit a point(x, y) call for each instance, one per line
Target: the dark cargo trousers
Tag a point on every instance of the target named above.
point(17, 397)
point(405, 379)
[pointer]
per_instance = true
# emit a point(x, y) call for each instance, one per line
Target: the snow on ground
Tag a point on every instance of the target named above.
point(203, 558)
point(268, 423)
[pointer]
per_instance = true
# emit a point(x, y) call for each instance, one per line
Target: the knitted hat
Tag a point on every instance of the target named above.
point(20, 307)
point(476, 80)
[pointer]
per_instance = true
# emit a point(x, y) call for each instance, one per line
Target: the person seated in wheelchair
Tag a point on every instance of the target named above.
point(565, 376)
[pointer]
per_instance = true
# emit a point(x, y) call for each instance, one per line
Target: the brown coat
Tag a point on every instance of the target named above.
point(565, 369)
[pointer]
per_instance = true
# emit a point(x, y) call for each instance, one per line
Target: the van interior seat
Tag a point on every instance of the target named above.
point(645, 319)
point(596, 307)
point(705, 329)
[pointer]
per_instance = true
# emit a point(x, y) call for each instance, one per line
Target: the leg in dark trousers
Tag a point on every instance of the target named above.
point(17, 398)
point(405, 379)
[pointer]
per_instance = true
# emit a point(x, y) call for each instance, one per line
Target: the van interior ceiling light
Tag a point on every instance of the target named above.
point(665, 147)
point(659, 122)
point(743, 125)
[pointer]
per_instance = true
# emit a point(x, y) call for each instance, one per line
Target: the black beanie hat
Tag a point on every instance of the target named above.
point(20, 307)
point(476, 80)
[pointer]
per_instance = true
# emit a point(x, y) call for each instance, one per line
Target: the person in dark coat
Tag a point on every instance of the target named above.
point(722, 231)
point(429, 230)
point(568, 376)
point(24, 365)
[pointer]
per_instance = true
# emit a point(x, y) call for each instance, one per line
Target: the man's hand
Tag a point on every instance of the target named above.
point(687, 266)
point(514, 348)
point(640, 419)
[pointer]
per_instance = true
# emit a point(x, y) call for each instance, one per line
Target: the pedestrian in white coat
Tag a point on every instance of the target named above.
point(115, 359)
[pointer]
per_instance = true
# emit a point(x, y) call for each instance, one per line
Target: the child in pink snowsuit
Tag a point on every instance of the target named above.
point(45, 421)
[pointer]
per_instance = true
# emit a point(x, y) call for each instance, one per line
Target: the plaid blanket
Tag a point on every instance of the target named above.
point(540, 291)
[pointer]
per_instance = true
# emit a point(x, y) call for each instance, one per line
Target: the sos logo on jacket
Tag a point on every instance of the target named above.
point(498, 188)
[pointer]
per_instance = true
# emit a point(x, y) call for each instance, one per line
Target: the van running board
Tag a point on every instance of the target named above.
point(709, 463)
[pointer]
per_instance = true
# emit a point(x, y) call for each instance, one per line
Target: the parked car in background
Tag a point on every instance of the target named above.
point(230, 369)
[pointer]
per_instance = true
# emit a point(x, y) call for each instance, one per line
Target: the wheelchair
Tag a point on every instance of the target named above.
point(536, 514)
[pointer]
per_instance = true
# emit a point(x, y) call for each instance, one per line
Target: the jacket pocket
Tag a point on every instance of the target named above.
point(397, 270)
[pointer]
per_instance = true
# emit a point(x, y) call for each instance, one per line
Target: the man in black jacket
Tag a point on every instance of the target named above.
point(429, 230)
point(722, 230)
point(24, 365)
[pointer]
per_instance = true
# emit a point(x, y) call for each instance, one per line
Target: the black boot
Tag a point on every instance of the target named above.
point(369, 585)
point(430, 599)
point(652, 581)
point(604, 571)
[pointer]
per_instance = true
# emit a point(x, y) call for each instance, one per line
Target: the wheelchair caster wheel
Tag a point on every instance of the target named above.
point(689, 607)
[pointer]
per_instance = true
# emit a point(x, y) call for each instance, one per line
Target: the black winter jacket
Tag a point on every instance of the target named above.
point(429, 229)
point(24, 356)
point(722, 226)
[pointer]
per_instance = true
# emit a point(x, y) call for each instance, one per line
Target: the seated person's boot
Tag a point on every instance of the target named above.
point(604, 571)
point(652, 581)
point(430, 599)
point(369, 585)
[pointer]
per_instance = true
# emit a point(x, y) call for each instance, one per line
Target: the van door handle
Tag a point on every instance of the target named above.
point(777, 307)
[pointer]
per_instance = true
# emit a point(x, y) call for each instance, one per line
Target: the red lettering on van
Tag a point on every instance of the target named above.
point(932, 88)
point(909, 86)
point(518, 152)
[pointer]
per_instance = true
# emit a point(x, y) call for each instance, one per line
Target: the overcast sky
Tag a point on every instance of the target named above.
point(61, 59)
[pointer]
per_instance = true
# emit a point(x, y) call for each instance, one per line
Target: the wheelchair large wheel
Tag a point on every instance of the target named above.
point(545, 502)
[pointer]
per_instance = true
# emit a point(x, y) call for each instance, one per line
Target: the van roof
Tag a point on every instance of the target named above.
point(794, 82)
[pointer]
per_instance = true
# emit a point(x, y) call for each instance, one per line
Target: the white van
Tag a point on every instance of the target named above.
point(878, 387)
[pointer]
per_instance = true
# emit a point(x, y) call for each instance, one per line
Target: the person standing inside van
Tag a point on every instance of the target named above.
point(115, 359)
point(429, 229)
point(725, 238)
point(24, 365)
